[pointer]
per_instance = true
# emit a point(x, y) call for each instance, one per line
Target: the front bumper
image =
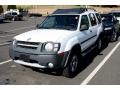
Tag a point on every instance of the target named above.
point(107, 33)
point(39, 60)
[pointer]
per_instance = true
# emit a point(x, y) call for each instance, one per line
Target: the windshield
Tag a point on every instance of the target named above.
point(68, 22)
point(107, 18)
point(116, 14)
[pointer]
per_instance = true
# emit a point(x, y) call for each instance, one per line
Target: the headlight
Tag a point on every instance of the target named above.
point(108, 28)
point(51, 47)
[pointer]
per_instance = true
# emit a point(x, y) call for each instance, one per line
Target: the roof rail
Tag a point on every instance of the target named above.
point(73, 11)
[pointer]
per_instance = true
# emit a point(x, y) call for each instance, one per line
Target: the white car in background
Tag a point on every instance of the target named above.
point(1, 17)
point(116, 13)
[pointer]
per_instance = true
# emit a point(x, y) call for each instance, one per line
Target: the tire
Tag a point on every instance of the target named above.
point(20, 19)
point(72, 66)
point(114, 37)
point(99, 44)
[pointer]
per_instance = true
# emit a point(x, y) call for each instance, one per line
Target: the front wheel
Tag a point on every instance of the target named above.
point(72, 66)
point(114, 37)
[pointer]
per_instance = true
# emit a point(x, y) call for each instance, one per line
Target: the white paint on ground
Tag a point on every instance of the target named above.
point(94, 72)
point(1, 63)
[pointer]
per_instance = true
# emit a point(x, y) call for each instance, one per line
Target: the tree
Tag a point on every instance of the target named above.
point(20, 9)
point(1, 9)
point(11, 7)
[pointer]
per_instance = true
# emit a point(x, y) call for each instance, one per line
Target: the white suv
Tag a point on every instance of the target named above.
point(60, 41)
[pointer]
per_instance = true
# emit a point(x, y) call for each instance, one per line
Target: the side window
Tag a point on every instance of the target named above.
point(92, 19)
point(99, 18)
point(84, 21)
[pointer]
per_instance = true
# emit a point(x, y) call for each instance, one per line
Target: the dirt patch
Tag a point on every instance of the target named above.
point(105, 9)
point(49, 9)
point(42, 11)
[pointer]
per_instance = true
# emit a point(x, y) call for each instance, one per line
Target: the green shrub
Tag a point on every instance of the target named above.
point(11, 7)
point(1, 9)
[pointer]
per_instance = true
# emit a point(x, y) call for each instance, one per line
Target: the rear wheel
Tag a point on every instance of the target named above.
point(99, 44)
point(114, 36)
point(72, 66)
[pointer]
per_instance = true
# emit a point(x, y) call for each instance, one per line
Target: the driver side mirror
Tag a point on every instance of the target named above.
point(84, 27)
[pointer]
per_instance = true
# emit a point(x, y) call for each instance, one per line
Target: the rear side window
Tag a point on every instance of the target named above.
point(93, 19)
point(99, 18)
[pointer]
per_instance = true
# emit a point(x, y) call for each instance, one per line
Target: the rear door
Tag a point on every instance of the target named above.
point(94, 26)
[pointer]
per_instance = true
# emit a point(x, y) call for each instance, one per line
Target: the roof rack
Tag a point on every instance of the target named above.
point(73, 11)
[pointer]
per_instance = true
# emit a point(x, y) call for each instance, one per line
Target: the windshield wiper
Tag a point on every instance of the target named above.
point(62, 27)
point(44, 28)
point(66, 28)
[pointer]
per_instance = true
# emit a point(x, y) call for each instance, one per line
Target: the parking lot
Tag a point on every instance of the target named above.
point(96, 69)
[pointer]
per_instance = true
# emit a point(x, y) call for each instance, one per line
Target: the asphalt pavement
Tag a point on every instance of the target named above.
point(12, 73)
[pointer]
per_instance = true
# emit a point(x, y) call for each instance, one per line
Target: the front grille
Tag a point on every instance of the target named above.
point(28, 45)
point(32, 43)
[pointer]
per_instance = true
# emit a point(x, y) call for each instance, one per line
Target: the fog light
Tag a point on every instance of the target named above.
point(50, 65)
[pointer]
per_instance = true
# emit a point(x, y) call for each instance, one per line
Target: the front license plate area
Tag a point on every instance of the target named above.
point(25, 58)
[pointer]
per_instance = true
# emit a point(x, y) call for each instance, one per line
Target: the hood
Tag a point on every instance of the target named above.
point(44, 35)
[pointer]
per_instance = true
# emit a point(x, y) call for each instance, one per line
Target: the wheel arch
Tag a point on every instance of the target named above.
point(76, 48)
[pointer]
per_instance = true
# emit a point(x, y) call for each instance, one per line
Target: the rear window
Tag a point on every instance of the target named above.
point(14, 13)
point(93, 19)
point(98, 17)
